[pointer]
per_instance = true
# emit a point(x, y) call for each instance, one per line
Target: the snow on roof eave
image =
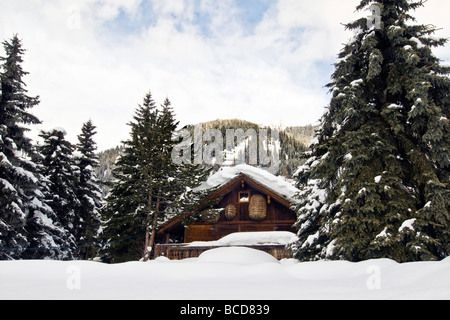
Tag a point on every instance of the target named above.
point(275, 183)
point(227, 174)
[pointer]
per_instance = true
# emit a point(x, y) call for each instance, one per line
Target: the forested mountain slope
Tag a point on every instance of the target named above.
point(293, 141)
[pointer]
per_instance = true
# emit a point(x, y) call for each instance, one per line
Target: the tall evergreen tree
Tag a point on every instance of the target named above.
point(376, 182)
point(126, 207)
point(175, 182)
point(21, 205)
point(62, 174)
point(88, 191)
point(123, 215)
point(48, 238)
point(160, 183)
point(147, 183)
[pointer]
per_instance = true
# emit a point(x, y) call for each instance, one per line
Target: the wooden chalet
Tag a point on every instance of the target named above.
point(249, 199)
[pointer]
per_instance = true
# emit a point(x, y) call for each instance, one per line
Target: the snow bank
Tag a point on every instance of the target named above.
point(250, 239)
point(207, 278)
point(236, 255)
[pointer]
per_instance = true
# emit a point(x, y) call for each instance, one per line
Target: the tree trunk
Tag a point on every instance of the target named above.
point(151, 243)
point(146, 255)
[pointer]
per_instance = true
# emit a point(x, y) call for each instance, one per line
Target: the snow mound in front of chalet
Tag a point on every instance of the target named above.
point(236, 255)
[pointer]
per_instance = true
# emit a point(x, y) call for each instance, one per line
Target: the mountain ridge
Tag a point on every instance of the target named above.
point(294, 141)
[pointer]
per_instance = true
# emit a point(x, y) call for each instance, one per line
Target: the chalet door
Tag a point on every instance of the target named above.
point(243, 211)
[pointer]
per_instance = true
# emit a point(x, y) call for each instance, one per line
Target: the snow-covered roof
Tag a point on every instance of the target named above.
point(250, 239)
point(277, 184)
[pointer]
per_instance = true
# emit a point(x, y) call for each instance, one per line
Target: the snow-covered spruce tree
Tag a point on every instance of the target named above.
point(158, 169)
point(48, 239)
point(175, 182)
point(21, 197)
point(126, 213)
point(376, 183)
point(62, 174)
point(88, 192)
point(123, 214)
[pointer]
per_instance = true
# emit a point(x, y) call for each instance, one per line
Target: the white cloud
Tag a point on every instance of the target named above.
point(272, 73)
point(109, 9)
point(173, 7)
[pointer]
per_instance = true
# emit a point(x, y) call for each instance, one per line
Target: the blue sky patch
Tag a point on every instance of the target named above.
point(126, 23)
point(252, 11)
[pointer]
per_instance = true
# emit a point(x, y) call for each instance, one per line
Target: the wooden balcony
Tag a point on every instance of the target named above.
point(184, 251)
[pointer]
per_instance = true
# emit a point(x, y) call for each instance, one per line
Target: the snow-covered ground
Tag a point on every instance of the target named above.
point(228, 273)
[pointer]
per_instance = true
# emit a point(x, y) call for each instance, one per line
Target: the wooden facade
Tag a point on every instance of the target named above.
point(278, 216)
point(184, 251)
point(247, 206)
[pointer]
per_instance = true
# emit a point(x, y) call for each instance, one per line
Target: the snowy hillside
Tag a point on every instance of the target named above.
point(225, 274)
point(293, 140)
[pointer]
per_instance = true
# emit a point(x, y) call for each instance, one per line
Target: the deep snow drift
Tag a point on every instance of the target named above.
point(230, 273)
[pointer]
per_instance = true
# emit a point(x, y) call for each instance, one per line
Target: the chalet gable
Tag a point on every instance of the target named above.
point(243, 180)
point(227, 178)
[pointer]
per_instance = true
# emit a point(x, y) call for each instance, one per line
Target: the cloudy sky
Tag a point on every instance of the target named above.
point(265, 61)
